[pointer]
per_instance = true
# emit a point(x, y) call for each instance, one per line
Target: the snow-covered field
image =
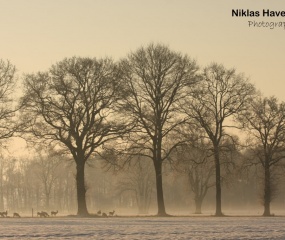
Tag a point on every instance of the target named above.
point(144, 228)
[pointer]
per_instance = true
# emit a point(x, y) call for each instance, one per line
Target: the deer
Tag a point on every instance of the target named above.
point(40, 214)
point(112, 213)
point(99, 212)
point(104, 215)
point(4, 214)
point(16, 215)
point(45, 214)
point(53, 213)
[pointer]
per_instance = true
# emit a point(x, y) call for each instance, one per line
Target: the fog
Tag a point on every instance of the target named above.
point(35, 185)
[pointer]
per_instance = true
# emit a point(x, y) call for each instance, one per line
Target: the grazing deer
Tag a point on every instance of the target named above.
point(40, 214)
point(16, 215)
point(99, 212)
point(53, 213)
point(4, 214)
point(45, 214)
point(104, 215)
point(112, 213)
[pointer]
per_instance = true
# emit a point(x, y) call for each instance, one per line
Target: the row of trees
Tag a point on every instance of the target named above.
point(39, 183)
point(44, 182)
point(156, 104)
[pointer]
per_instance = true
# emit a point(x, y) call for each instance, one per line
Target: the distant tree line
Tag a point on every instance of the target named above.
point(154, 105)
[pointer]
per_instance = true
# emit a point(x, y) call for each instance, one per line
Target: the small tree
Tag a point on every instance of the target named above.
point(47, 170)
point(196, 163)
point(138, 179)
point(219, 96)
point(155, 79)
point(73, 104)
point(264, 121)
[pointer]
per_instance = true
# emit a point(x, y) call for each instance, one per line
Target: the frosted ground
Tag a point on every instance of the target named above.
point(144, 228)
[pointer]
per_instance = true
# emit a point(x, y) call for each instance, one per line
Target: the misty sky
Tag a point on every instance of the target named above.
point(37, 33)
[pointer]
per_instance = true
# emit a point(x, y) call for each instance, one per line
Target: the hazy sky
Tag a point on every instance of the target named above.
point(37, 33)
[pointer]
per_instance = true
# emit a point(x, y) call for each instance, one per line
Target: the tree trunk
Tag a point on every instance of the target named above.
point(218, 183)
point(159, 189)
point(1, 189)
point(142, 201)
point(47, 201)
point(198, 204)
point(81, 190)
point(267, 191)
point(47, 195)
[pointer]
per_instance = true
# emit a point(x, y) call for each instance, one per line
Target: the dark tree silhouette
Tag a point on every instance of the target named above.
point(8, 110)
point(73, 104)
point(155, 79)
point(8, 125)
point(264, 121)
point(196, 162)
point(219, 96)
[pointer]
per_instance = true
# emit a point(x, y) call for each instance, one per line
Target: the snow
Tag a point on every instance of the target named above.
point(144, 228)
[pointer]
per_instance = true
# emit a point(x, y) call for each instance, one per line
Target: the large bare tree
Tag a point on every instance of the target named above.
point(73, 104)
point(8, 108)
point(264, 122)
point(220, 94)
point(155, 79)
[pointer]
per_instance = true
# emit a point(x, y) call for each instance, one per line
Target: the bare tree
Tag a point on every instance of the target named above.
point(10, 184)
point(2, 167)
point(264, 120)
point(8, 108)
point(138, 179)
point(219, 96)
point(47, 162)
point(196, 163)
point(8, 111)
point(155, 79)
point(73, 104)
